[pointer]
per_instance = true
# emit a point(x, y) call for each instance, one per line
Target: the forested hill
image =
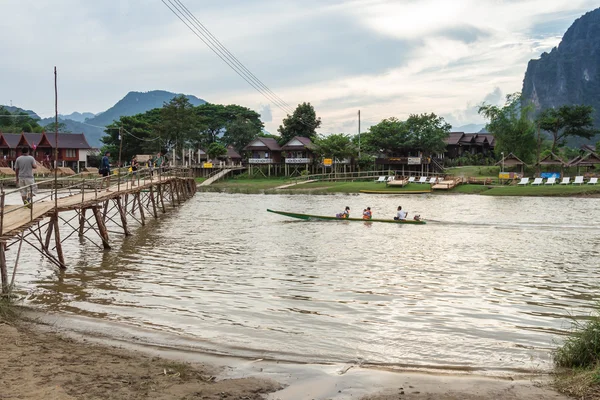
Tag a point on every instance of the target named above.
point(570, 73)
point(136, 103)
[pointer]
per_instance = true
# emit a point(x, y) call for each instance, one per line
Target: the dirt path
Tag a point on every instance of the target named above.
point(38, 364)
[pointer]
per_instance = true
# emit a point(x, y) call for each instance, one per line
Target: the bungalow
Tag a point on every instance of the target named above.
point(460, 143)
point(73, 148)
point(298, 153)
point(264, 151)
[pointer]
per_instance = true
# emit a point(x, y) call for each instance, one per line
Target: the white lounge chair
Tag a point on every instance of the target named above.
point(411, 179)
point(578, 180)
point(381, 179)
point(550, 181)
point(537, 181)
point(592, 181)
point(391, 178)
point(422, 179)
point(432, 180)
point(524, 181)
point(565, 181)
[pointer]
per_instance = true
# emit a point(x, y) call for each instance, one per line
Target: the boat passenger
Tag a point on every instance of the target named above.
point(345, 214)
point(401, 215)
point(367, 214)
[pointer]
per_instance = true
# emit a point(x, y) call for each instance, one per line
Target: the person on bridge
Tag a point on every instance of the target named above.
point(159, 163)
point(134, 168)
point(24, 167)
point(105, 171)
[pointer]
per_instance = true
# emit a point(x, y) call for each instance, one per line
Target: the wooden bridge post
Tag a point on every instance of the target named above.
point(138, 196)
point(49, 234)
point(153, 201)
point(101, 227)
point(82, 222)
point(123, 215)
point(172, 194)
point(59, 252)
point(3, 269)
point(161, 198)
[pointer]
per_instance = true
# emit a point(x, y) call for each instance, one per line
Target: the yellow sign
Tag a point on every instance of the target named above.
point(207, 165)
point(504, 175)
point(328, 162)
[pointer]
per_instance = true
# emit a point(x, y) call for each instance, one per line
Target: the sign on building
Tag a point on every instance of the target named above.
point(328, 162)
point(207, 165)
point(414, 161)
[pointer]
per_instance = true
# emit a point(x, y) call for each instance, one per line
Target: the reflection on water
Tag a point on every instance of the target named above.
point(487, 283)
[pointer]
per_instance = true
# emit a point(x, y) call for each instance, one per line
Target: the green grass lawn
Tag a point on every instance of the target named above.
point(543, 190)
point(474, 171)
point(355, 187)
point(241, 184)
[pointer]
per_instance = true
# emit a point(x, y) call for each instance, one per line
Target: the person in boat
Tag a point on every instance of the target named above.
point(367, 213)
point(401, 216)
point(345, 214)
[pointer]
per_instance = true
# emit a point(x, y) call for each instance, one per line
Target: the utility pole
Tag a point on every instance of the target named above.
point(358, 133)
point(55, 143)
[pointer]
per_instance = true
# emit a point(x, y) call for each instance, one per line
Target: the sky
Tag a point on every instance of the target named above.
point(383, 57)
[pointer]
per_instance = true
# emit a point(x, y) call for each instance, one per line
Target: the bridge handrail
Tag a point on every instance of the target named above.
point(141, 175)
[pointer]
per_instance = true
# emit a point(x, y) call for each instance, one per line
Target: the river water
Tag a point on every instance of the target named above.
point(488, 284)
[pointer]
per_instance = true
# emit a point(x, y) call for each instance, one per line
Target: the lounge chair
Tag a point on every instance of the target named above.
point(432, 180)
point(411, 179)
point(422, 179)
point(578, 180)
point(565, 181)
point(537, 181)
point(381, 179)
point(391, 178)
point(550, 181)
point(524, 181)
point(592, 181)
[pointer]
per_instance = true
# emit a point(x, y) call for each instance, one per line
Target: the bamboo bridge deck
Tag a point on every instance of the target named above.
point(130, 198)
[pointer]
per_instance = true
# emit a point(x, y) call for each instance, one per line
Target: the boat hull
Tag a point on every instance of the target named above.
point(308, 217)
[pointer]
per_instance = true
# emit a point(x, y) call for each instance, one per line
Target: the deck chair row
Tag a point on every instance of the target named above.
point(411, 179)
point(552, 181)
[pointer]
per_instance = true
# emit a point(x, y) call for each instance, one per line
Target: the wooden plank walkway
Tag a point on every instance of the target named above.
point(15, 220)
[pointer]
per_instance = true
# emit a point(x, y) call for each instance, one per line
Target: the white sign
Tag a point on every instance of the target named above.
point(297, 160)
point(414, 161)
point(260, 160)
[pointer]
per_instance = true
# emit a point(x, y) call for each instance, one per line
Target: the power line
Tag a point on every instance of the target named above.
point(231, 56)
point(198, 32)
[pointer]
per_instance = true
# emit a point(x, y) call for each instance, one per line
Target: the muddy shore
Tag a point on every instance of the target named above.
point(40, 361)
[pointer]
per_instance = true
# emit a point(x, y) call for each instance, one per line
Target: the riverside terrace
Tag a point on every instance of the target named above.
point(129, 199)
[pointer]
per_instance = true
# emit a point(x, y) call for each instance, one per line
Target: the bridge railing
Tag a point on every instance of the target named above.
point(121, 179)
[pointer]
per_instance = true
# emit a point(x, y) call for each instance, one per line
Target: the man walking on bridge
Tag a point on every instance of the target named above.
point(24, 167)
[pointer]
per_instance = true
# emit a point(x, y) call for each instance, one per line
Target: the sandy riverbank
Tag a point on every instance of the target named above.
point(39, 363)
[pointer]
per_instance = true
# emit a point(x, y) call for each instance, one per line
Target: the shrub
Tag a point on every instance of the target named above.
point(581, 349)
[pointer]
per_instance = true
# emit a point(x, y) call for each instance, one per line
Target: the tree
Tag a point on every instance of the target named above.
point(216, 150)
point(139, 135)
point(511, 126)
point(215, 119)
point(337, 146)
point(240, 132)
point(427, 133)
point(567, 121)
point(303, 122)
point(390, 136)
point(177, 124)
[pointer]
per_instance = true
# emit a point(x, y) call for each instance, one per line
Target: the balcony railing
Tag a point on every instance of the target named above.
point(260, 161)
point(304, 160)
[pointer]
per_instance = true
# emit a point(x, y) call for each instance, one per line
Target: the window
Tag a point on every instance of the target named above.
point(70, 153)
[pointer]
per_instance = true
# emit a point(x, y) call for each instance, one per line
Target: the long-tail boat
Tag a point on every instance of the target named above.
point(308, 217)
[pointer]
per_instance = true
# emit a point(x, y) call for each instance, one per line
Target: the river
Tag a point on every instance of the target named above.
point(489, 284)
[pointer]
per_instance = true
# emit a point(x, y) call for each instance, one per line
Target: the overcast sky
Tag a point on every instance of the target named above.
point(386, 58)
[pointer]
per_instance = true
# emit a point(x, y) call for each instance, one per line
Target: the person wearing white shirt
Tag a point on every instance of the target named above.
point(401, 214)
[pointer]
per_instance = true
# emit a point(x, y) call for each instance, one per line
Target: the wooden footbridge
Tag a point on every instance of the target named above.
point(84, 208)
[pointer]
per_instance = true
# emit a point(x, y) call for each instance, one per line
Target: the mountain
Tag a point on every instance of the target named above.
point(470, 128)
point(570, 73)
point(76, 116)
point(136, 103)
point(92, 133)
point(13, 109)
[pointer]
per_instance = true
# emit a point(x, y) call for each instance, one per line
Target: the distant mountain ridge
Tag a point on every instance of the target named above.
point(92, 125)
point(136, 103)
point(570, 73)
point(78, 117)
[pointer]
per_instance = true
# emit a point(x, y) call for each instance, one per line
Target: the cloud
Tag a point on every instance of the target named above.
point(265, 113)
point(386, 58)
